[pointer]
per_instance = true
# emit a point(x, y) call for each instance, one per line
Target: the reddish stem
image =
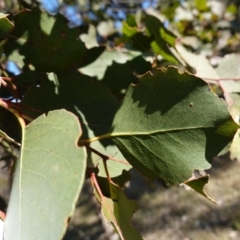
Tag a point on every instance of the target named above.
point(221, 79)
point(20, 105)
point(7, 79)
point(95, 183)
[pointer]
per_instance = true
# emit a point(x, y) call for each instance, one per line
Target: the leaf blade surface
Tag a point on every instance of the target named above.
point(170, 124)
point(48, 178)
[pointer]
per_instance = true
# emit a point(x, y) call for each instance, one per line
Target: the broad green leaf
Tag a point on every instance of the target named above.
point(119, 210)
point(48, 178)
point(5, 26)
point(170, 124)
point(163, 38)
point(198, 185)
point(44, 42)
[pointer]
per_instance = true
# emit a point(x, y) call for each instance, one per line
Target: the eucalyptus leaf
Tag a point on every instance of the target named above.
point(48, 178)
point(170, 124)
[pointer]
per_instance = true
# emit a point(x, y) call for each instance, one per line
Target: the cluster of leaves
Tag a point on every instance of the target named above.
point(80, 110)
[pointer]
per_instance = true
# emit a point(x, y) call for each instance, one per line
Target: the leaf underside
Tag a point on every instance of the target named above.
point(48, 178)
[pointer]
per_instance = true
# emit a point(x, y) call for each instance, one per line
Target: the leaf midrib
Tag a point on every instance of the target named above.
point(122, 134)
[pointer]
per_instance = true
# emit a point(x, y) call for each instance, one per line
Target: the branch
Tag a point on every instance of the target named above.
point(12, 88)
point(221, 79)
point(11, 106)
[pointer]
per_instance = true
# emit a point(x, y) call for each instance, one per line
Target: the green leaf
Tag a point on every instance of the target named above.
point(112, 209)
point(5, 26)
point(163, 38)
point(48, 178)
point(170, 124)
point(43, 42)
point(198, 185)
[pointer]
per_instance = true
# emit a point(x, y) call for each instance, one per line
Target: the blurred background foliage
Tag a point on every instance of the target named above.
point(211, 26)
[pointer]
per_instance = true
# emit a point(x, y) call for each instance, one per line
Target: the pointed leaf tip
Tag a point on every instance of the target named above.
point(198, 185)
point(119, 210)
